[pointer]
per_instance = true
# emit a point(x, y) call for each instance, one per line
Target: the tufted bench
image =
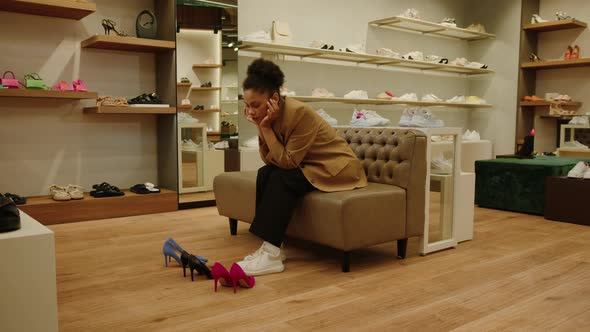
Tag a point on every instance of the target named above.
point(390, 208)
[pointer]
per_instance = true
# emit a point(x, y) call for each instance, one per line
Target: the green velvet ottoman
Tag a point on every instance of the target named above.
point(517, 184)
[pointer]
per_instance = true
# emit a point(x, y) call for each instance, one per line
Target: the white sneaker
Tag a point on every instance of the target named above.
point(475, 64)
point(414, 55)
point(183, 117)
point(538, 19)
point(265, 262)
point(354, 48)
point(321, 92)
point(432, 58)
point(457, 99)
point(578, 171)
point(330, 120)
point(425, 119)
point(357, 94)
point(221, 145)
point(459, 62)
point(406, 119)
point(262, 36)
point(580, 120)
point(470, 136)
point(449, 22)
point(287, 93)
point(410, 13)
point(562, 98)
point(431, 98)
point(388, 52)
point(440, 165)
point(252, 142)
point(407, 97)
point(365, 118)
point(189, 145)
point(261, 250)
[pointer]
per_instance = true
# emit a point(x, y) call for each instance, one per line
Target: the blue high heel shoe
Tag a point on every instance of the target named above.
point(168, 252)
point(177, 247)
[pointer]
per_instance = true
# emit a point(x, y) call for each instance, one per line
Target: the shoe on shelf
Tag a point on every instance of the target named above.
point(562, 16)
point(436, 138)
point(406, 119)
point(321, 45)
point(534, 58)
point(260, 36)
point(431, 98)
point(388, 52)
point(457, 99)
point(475, 100)
point(459, 62)
point(477, 65)
point(59, 193)
point(221, 145)
point(562, 98)
point(449, 22)
point(575, 145)
point(537, 19)
point(287, 93)
point(432, 58)
point(567, 55)
point(322, 93)
point(186, 118)
point(367, 118)
point(78, 85)
point(470, 136)
point(18, 200)
point(386, 95)
point(357, 94)
point(575, 53)
point(190, 145)
point(532, 98)
point(580, 120)
point(410, 13)
point(578, 170)
point(105, 190)
point(184, 80)
point(440, 165)
point(423, 118)
point(477, 27)
point(407, 97)
point(75, 191)
point(330, 120)
point(354, 48)
point(414, 55)
point(266, 262)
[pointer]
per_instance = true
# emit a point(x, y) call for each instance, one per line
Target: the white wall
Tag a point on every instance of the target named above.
point(44, 141)
point(345, 22)
point(571, 81)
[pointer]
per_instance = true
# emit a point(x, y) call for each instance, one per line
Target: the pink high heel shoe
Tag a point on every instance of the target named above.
point(79, 86)
point(63, 86)
point(239, 277)
point(219, 272)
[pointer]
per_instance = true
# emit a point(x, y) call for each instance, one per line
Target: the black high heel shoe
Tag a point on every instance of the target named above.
point(195, 264)
point(109, 25)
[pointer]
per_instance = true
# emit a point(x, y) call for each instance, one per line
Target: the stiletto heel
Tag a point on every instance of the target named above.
point(177, 247)
point(219, 272)
point(239, 277)
point(195, 264)
point(168, 251)
point(109, 25)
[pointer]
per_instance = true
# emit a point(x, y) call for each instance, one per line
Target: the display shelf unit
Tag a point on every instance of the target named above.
point(386, 102)
point(74, 10)
point(554, 25)
point(212, 110)
point(429, 28)
point(547, 103)
point(47, 211)
point(207, 65)
point(50, 94)
point(131, 44)
point(184, 84)
point(357, 58)
point(214, 88)
point(557, 117)
point(556, 64)
point(129, 110)
point(213, 133)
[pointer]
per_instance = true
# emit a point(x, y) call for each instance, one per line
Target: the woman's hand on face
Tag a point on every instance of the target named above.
point(249, 118)
point(271, 114)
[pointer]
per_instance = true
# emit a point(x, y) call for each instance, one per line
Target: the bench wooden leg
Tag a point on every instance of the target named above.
point(346, 261)
point(402, 245)
point(233, 226)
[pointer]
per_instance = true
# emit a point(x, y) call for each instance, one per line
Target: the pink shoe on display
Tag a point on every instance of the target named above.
point(220, 273)
point(79, 86)
point(239, 277)
point(63, 86)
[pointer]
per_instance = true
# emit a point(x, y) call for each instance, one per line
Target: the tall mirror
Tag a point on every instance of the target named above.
point(207, 93)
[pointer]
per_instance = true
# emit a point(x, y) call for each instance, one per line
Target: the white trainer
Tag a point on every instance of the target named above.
point(407, 97)
point(431, 98)
point(321, 92)
point(330, 120)
point(440, 165)
point(367, 118)
point(457, 99)
point(538, 19)
point(388, 52)
point(252, 142)
point(578, 171)
point(425, 119)
point(186, 118)
point(575, 145)
point(260, 250)
point(411, 13)
point(265, 262)
point(406, 119)
point(415, 55)
point(357, 94)
point(459, 62)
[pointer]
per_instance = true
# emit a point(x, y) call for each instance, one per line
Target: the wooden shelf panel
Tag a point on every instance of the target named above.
point(214, 88)
point(213, 133)
point(386, 102)
point(131, 44)
point(30, 93)
point(53, 8)
point(559, 117)
point(207, 65)
point(546, 103)
point(556, 64)
point(555, 25)
point(129, 110)
point(183, 84)
point(357, 58)
point(47, 211)
point(431, 28)
point(205, 111)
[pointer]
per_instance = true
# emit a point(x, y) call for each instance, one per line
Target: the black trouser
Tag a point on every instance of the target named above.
point(277, 193)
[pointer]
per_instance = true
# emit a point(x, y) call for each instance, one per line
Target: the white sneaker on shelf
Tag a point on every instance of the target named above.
point(475, 100)
point(580, 120)
point(321, 92)
point(266, 262)
point(357, 94)
point(470, 136)
point(477, 65)
point(262, 36)
point(330, 120)
point(189, 145)
point(354, 48)
point(386, 95)
point(431, 98)
point(578, 171)
point(459, 62)
point(221, 145)
point(366, 118)
point(414, 55)
point(388, 52)
point(407, 97)
point(185, 118)
point(425, 119)
point(538, 19)
point(562, 98)
point(287, 93)
point(457, 99)
point(432, 58)
point(410, 13)
point(478, 27)
point(575, 145)
point(252, 142)
point(449, 22)
point(440, 165)
point(261, 250)
point(406, 119)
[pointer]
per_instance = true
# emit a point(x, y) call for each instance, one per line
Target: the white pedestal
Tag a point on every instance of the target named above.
point(250, 159)
point(28, 295)
point(465, 214)
point(470, 152)
point(214, 165)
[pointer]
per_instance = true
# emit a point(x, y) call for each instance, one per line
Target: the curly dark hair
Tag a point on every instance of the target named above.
point(264, 76)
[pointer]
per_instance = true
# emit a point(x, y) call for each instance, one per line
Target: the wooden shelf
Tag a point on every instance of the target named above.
point(185, 107)
point(556, 64)
point(205, 111)
point(47, 211)
point(207, 65)
point(213, 133)
point(183, 84)
point(214, 88)
point(361, 59)
point(558, 117)
point(131, 44)
point(431, 28)
point(386, 102)
point(129, 110)
point(53, 8)
point(555, 25)
point(546, 103)
point(30, 93)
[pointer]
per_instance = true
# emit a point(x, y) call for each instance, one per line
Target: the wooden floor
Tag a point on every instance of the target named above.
point(519, 273)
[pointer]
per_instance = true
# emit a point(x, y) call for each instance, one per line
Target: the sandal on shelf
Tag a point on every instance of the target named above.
point(152, 98)
point(18, 200)
point(79, 86)
point(151, 187)
point(59, 193)
point(75, 191)
point(105, 190)
point(534, 58)
point(109, 25)
point(184, 80)
point(568, 53)
point(575, 53)
point(206, 85)
point(63, 86)
point(109, 101)
point(140, 189)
